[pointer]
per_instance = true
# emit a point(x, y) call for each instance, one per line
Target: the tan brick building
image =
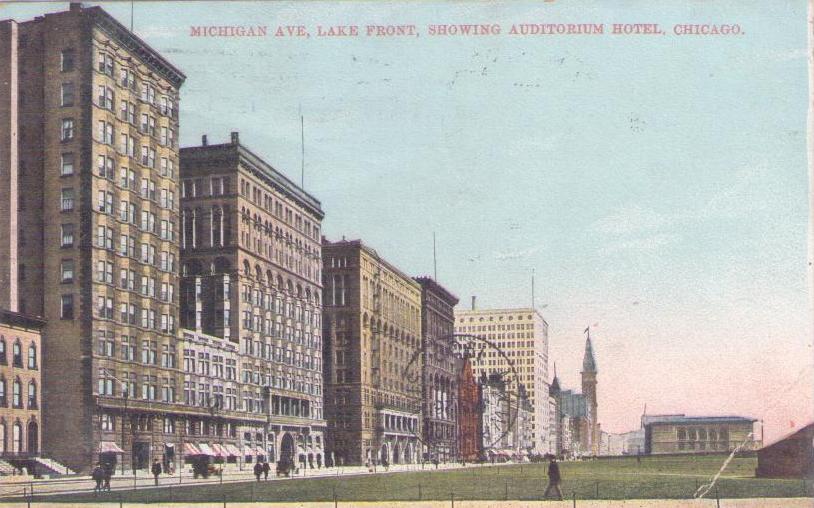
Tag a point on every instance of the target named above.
point(95, 113)
point(697, 434)
point(20, 388)
point(251, 276)
point(372, 331)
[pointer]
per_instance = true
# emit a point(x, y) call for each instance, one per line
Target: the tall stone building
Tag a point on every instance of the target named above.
point(518, 348)
point(89, 126)
point(469, 422)
point(439, 377)
point(589, 391)
point(373, 361)
point(251, 277)
point(577, 429)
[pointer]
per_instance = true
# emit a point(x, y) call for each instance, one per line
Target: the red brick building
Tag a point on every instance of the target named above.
point(469, 414)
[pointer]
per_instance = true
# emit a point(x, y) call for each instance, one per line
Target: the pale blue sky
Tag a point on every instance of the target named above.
point(656, 184)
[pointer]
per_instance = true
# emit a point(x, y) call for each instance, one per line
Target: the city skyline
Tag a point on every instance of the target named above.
point(677, 234)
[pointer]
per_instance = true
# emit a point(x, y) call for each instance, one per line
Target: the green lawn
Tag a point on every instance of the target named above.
point(621, 478)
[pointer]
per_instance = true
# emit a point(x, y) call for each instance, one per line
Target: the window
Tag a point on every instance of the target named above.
point(67, 200)
point(67, 236)
point(106, 64)
point(16, 394)
point(67, 129)
point(67, 60)
point(17, 353)
point(3, 401)
point(32, 356)
point(2, 350)
point(67, 271)
point(66, 164)
point(67, 307)
point(67, 94)
point(107, 422)
point(105, 383)
point(32, 395)
point(105, 132)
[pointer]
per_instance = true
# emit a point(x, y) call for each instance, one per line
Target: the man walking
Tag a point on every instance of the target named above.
point(266, 469)
point(258, 470)
point(156, 470)
point(554, 479)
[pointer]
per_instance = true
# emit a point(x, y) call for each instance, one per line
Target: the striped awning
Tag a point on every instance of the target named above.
point(220, 450)
point(109, 447)
point(190, 449)
point(205, 449)
point(233, 450)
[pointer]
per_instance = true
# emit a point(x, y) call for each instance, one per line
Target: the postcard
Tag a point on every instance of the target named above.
point(441, 253)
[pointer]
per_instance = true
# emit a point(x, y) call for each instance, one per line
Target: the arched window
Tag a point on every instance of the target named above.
point(17, 394)
point(2, 350)
point(32, 356)
point(32, 395)
point(17, 438)
point(17, 353)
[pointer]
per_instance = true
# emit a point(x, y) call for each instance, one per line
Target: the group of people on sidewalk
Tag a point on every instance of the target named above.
point(102, 474)
point(261, 468)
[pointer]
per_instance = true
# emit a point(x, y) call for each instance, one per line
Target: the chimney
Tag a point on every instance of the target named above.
point(473, 302)
point(76, 6)
point(204, 141)
point(235, 138)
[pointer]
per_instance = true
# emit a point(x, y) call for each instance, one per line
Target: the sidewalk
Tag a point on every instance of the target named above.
point(143, 479)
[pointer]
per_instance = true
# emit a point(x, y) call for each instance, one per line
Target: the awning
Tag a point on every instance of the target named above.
point(232, 450)
point(109, 447)
point(206, 450)
point(220, 450)
point(190, 449)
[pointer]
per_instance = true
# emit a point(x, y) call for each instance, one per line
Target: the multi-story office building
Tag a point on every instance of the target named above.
point(20, 384)
point(372, 331)
point(251, 276)
point(439, 377)
point(95, 113)
point(518, 348)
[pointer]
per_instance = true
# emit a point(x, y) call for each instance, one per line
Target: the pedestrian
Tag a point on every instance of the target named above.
point(107, 472)
point(266, 469)
point(554, 479)
point(98, 475)
point(258, 470)
point(156, 470)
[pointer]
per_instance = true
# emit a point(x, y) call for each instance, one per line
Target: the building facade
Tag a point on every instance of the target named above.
point(373, 361)
point(697, 434)
point(439, 378)
point(518, 341)
point(96, 118)
point(577, 430)
point(251, 277)
point(20, 386)
point(469, 422)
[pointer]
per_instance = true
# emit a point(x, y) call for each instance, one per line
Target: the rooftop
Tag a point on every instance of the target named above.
point(681, 419)
point(236, 153)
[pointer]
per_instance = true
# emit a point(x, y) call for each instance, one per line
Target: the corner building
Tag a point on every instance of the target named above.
point(95, 111)
point(251, 277)
point(521, 335)
point(373, 361)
